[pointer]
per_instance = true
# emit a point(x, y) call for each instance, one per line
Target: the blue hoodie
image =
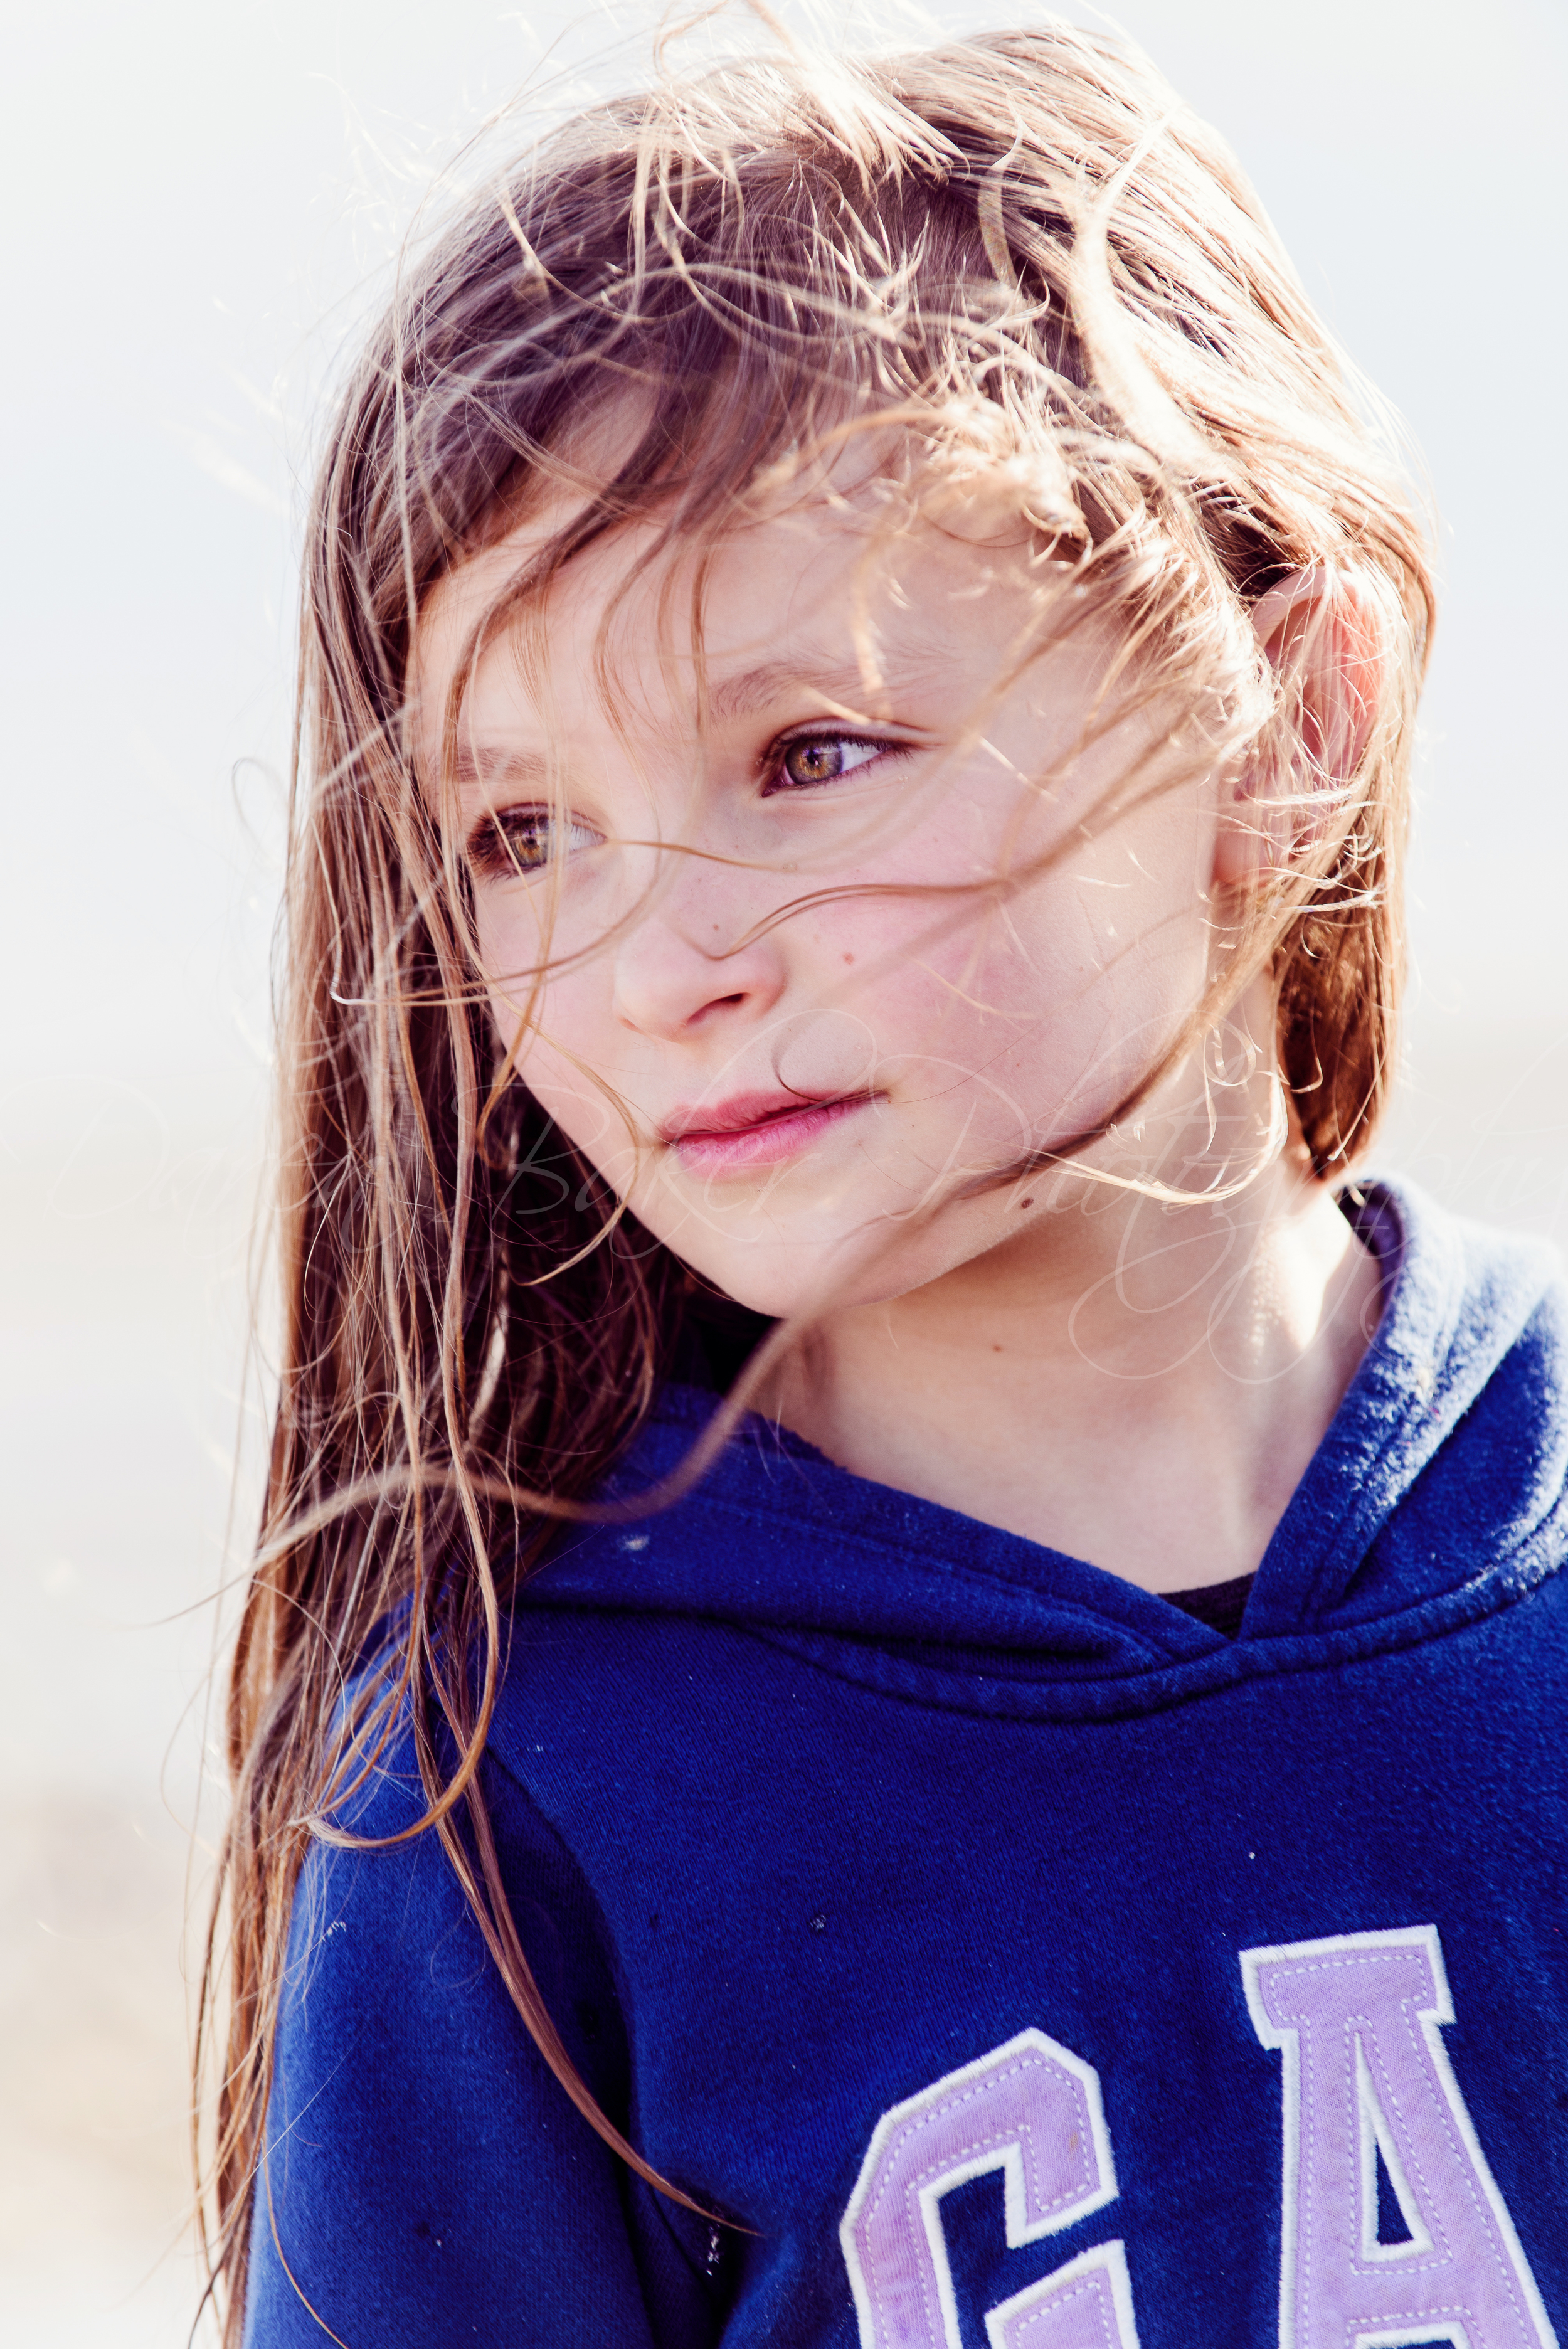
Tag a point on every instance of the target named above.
point(1009, 1959)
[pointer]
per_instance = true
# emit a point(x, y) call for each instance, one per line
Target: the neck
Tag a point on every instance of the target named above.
point(1138, 1384)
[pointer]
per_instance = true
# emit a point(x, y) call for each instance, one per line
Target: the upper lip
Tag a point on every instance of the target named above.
point(740, 1112)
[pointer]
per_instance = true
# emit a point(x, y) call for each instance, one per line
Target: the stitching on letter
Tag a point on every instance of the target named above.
point(1032, 2110)
point(1357, 2020)
point(1087, 2304)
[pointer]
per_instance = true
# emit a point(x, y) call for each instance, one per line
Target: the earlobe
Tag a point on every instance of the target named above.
point(1244, 846)
point(1321, 631)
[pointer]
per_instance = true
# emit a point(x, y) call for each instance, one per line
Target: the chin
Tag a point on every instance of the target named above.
point(811, 1281)
point(779, 1293)
point(827, 1256)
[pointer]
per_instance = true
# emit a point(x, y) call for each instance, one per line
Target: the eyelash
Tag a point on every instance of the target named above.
point(499, 846)
point(498, 853)
point(775, 784)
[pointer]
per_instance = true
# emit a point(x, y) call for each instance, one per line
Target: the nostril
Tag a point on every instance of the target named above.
point(721, 1003)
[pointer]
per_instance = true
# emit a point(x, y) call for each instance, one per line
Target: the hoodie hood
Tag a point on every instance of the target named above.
point(1436, 1496)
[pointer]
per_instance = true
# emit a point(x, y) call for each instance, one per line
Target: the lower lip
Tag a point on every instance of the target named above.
point(768, 1144)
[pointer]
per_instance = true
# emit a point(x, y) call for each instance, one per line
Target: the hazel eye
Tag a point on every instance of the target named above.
point(813, 759)
point(511, 841)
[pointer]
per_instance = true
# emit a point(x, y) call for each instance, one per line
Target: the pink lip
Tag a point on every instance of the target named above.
point(753, 1130)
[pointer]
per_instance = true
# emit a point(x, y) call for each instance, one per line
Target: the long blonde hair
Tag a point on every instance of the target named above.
point(1026, 252)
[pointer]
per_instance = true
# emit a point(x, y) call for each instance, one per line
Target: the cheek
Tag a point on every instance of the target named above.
point(539, 980)
point(1034, 1008)
point(564, 1055)
point(979, 966)
point(509, 927)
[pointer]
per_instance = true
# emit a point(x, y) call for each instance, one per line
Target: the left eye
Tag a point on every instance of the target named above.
point(820, 759)
point(512, 841)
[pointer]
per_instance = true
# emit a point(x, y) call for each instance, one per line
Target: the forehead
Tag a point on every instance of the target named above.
point(841, 583)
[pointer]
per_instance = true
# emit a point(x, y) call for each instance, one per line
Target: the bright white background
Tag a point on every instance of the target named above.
point(200, 203)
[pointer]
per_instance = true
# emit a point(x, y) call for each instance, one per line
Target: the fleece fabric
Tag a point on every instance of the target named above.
point(998, 1956)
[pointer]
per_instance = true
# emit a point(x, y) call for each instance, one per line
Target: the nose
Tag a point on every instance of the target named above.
point(678, 968)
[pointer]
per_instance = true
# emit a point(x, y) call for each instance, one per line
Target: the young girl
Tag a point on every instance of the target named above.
point(903, 1680)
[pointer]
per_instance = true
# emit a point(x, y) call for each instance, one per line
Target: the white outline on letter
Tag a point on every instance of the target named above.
point(1031, 2108)
point(1469, 2284)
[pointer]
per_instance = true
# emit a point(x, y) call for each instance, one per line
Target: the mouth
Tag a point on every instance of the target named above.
point(755, 1129)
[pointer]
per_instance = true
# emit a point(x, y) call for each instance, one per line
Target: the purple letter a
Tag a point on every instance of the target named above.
point(1370, 2104)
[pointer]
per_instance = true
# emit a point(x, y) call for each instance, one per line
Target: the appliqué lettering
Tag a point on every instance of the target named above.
point(1368, 2087)
point(1032, 2110)
point(1087, 2304)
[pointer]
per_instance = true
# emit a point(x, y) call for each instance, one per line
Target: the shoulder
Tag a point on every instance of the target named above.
point(410, 2107)
point(380, 1900)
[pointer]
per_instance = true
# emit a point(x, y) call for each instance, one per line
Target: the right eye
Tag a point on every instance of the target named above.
point(509, 842)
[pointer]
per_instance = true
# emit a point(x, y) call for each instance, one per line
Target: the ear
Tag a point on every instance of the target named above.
point(1321, 633)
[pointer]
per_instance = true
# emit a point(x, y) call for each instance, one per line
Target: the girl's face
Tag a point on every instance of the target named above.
point(813, 928)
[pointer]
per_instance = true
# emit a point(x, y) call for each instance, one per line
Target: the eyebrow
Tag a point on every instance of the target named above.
point(498, 766)
point(845, 685)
